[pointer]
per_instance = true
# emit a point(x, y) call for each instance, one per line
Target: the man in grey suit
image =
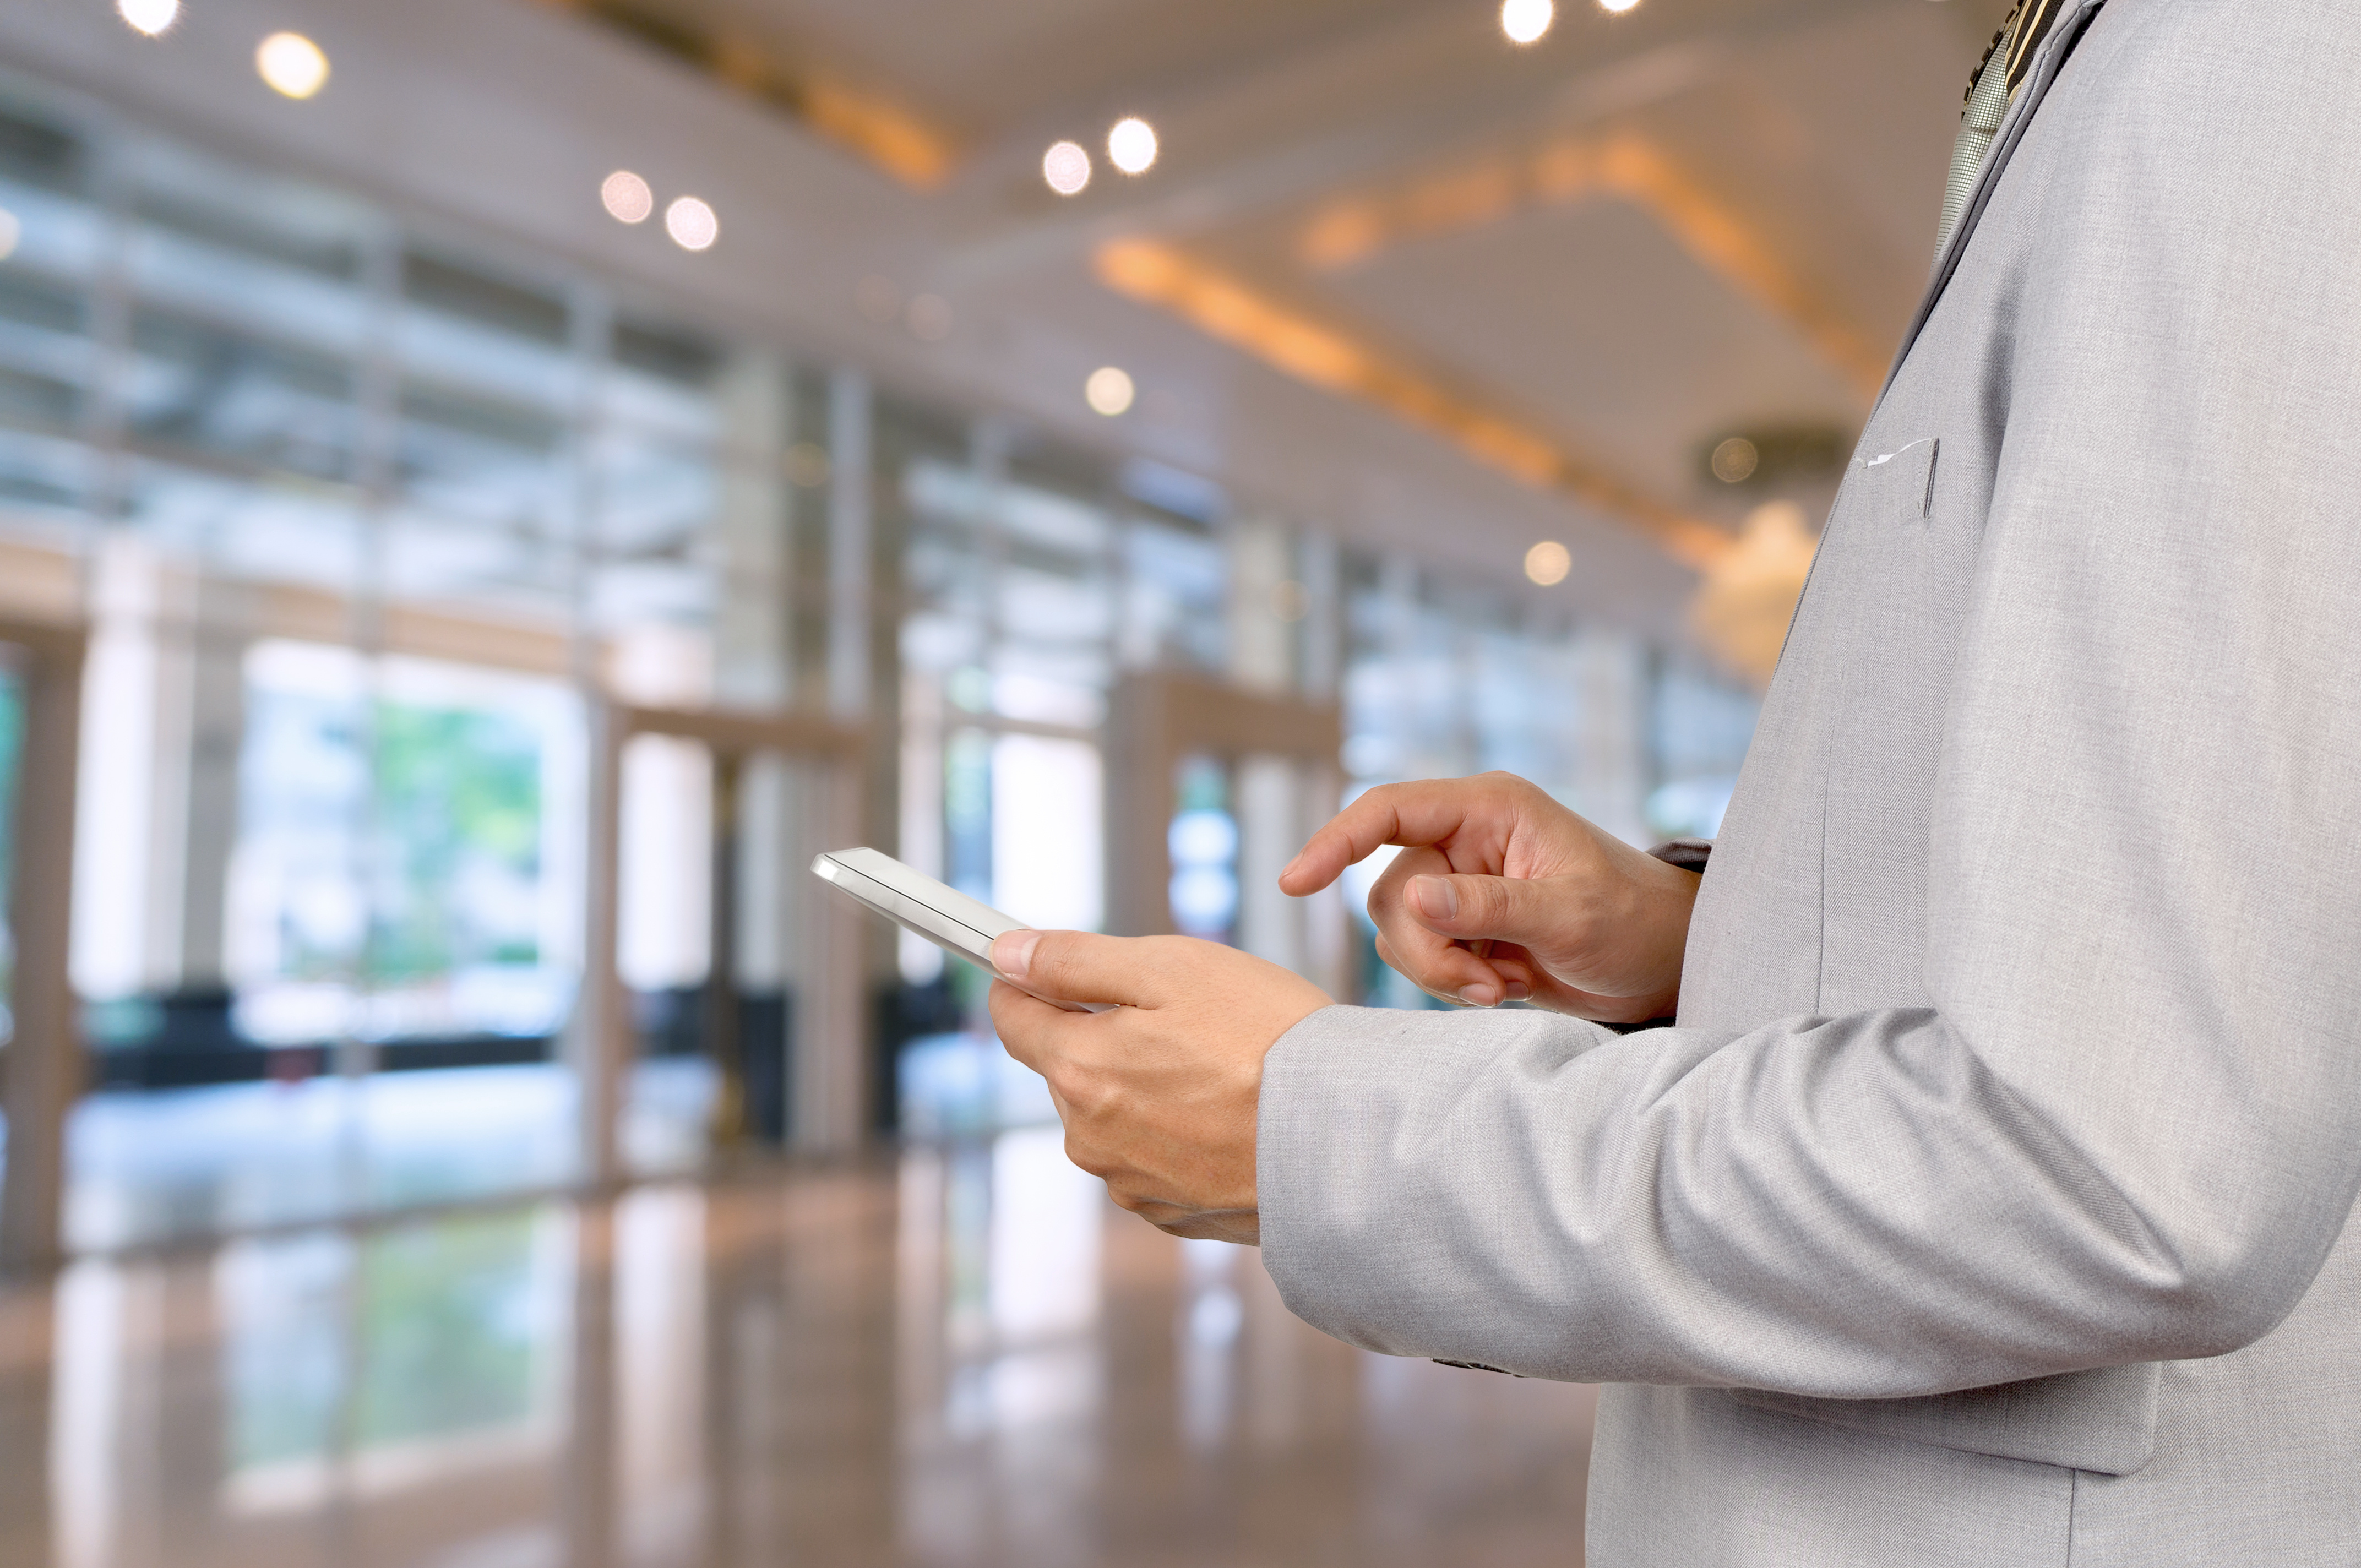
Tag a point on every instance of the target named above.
point(1987, 1202)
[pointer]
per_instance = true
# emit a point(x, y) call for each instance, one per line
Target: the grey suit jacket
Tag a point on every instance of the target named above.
point(1989, 1203)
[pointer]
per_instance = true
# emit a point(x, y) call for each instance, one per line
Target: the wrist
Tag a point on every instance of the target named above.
point(1670, 900)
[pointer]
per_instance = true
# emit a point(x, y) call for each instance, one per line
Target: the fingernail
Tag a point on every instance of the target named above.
point(1289, 869)
point(1477, 995)
point(1011, 952)
point(1437, 899)
point(1519, 990)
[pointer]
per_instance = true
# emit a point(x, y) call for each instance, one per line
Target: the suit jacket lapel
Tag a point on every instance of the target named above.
point(2064, 35)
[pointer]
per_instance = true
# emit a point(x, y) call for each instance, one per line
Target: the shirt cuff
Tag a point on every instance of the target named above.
point(1689, 854)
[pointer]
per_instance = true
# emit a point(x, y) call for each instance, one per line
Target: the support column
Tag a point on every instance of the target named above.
point(1264, 789)
point(599, 1037)
point(1266, 792)
point(751, 658)
point(830, 1068)
point(598, 1041)
point(216, 736)
point(723, 1038)
point(749, 1004)
point(1141, 800)
point(849, 522)
point(44, 1060)
point(1328, 925)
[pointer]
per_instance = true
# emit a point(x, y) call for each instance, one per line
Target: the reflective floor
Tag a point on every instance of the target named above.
point(165, 1165)
point(960, 1355)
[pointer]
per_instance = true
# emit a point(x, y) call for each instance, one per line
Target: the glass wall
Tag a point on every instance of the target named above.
point(364, 516)
point(357, 511)
point(1698, 728)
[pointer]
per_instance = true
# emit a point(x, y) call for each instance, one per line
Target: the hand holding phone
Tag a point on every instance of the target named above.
point(925, 908)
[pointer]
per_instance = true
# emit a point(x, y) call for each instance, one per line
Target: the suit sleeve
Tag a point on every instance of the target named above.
point(2127, 1126)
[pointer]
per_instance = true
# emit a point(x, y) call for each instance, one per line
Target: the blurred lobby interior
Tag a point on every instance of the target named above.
point(489, 487)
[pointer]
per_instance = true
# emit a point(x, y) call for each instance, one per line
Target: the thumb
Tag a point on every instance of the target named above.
point(1078, 966)
point(1508, 909)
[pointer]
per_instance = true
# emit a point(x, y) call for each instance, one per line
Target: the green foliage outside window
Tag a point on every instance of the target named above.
point(415, 1334)
point(448, 1343)
point(458, 810)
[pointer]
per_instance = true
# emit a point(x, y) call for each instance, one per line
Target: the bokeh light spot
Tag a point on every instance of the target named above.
point(1526, 20)
point(1067, 168)
point(1109, 390)
point(626, 197)
point(149, 16)
point(1734, 460)
point(1548, 563)
point(1131, 145)
point(692, 224)
point(291, 64)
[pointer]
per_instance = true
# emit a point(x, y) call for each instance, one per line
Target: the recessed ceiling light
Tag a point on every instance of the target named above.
point(692, 224)
point(1108, 392)
point(1067, 168)
point(1735, 460)
point(150, 16)
point(1548, 563)
point(1618, 6)
point(1526, 20)
point(292, 64)
point(626, 197)
point(1131, 145)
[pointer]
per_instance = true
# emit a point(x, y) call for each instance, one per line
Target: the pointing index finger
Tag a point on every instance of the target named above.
point(1404, 813)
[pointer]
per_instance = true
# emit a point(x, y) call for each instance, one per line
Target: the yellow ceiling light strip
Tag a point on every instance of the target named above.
point(887, 135)
point(1159, 275)
point(879, 130)
point(1626, 166)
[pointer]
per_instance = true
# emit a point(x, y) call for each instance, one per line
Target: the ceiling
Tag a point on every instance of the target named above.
point(1391, 275)
point(1639, 234)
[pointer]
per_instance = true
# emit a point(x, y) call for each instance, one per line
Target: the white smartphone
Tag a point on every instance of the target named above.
point(923, 906)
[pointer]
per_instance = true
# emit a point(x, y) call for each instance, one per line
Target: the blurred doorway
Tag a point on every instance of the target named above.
point(706, 941)
point(1214, 790)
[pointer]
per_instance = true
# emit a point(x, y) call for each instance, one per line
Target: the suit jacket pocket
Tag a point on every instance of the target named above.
point(2103, 1420)
point(1898, 486)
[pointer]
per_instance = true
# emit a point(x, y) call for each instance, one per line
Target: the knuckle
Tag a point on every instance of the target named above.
point(1052, 956)
point(1087, 1093)
point(1084, 1157)
point(1484, 899)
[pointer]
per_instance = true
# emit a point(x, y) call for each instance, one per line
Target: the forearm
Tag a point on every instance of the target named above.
point(1851, 1208)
